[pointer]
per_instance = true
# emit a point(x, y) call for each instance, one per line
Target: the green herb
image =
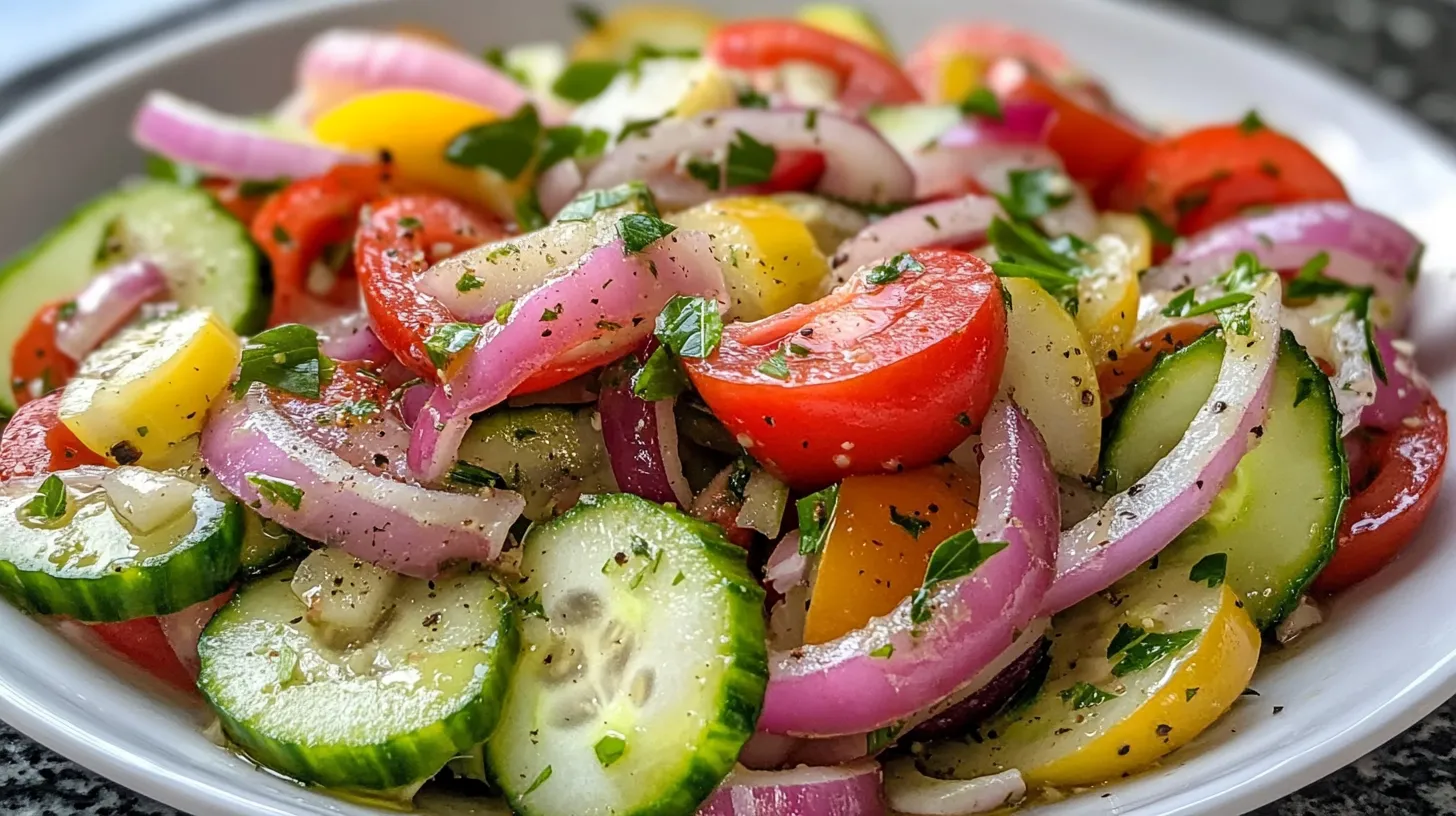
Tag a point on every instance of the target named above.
point(749, 161)
point(659, 378)
point(409, 222)
point(913, 525)
point(877, 740)
point(277, 491)
point(142, 431)
point(1126, 636)
point(1186, 304)
point(531, 607)
point(545, 772)
point(160, 167)
point(570, 142)
point(1311, 282)
point(496, 58)
point(591, 202)
point(955, 557)
point(710, 173)
point(641, 127)
point(506, 146)
point(639, 230)
point(892, 269)
point(258, 188)
point(585, 79)
point(738, 478)
point(1304, 389)
point(359, 409)
point(679, 578)
point(468, 282)
point(1251, 123)
point(1162, 233)
point(522, 434)
point(884, 652)
point(67, 310)
point(287, 665)
point(548, 315)
point(1023, 252)
point(1035, 193)
point(49, 501)
point(1190, 693)
point(798, 350)
point(281, 236)
point(749, 98)
point(811, 119)
point(468, 475)
point(591, 20)
point(285, 357)
point(1152, 649)
point(448, 339)
point(503, 312)
point(610, 748)
point(690, 326)
point(1085, 695)
point(815, 511)
point(1210, 569)
point(776, 366)
point(528, 212)
point(981, 102)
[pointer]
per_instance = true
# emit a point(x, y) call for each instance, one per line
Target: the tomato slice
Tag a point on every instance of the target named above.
point(37, 366)
point(143, 642)
point(400, 239)
point(793, 170)
point(950, 63)
point(35, 442)
point(1206, 176)
point(865, 77)
point(873, 378)
point(311, 220)
point(234, 196)
point(1383, 517)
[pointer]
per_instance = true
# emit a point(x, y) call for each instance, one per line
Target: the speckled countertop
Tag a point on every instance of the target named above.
point(1404, 49)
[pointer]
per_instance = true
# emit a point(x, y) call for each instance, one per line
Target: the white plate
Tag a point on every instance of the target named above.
point(1382, 661)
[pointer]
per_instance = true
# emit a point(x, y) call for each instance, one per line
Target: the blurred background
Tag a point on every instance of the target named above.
point(1402, 50)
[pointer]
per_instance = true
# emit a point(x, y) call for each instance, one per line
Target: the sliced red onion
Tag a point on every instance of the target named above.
point(912, 793)
point(107, 303)
point(404, 527)
point(957, 222)
point(842, 687)
point(1329, 331)
point(1405, 389)
point(860, 166)
point(641, 439)
point(558, 185)
point(183, 629)
point(226, 146)
point(1365, 248)
point(351, 337)
point(341, 63)
point(952, 171)
point(786, 567)
point(610, 293)
point(844, 790)
point(579, 391)
point(1136, 524)
point(412, 401)
point(992, 688)
point(1021, 123)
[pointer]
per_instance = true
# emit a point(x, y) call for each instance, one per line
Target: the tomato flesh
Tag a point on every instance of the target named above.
point(400, 239)
point(1379, 520)
point(35, 441)
point(143, 642)
point(37, 366)
point(865, 77)
point(879, 377)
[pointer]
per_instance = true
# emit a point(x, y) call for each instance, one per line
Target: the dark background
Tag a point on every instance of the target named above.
point(1404, 50)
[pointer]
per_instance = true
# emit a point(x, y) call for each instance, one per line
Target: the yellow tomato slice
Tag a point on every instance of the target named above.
point(666, 27)
point(769, 257)
point(1107, 309)
point(879, 542)
point(960, 74)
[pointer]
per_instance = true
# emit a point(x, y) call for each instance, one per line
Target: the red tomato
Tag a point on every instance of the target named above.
point(1206, 176)
point(401, 238)
point(143, 642)
point(1380, 519)
point(36, 442)
point(794, 170)
point(1095, 141)
point(229, 195)
point(315, 219)
point(865, 77)
point(37, 366)
point(879, 377)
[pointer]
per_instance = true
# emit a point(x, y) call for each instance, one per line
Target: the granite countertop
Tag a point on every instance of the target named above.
point(1404, 49)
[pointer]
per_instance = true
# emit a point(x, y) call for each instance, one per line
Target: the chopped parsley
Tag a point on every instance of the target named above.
point(448, 339)
point(409, 222)
point(163, 168)
point(1151, 649)
point(884, 652)
point(955, 557)
point(776, 365)
point(710, 173)
point(551, 314)
point(506, 146)
point(591, 202)
point(981, 102)
point(690, 326)
point(1210, 569)
point(815, 511)
point(528, 212)
point(749, 161)
point(585, 79)
point(503, 312)
point(893, 269)
point(1239, 283)
point(545, 772)
point(1035, 193)
point(639, 230)
point(468, 475)
point(277, 491)
point(610, 748)
point(531, 606)
point(1022, 252)
point(912, 524)
point(260, 188)
point(1311, 282)
point(1085, 695)
point(660, 377)
point(1126, 635)
point(285, 357)
point(49, 501)
point(749, 98)
point(570, 142)
point(468, 282)
point(641, 127)
point(1251, 123)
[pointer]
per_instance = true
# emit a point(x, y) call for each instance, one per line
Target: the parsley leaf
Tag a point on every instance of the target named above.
point(285, 357)
point(1125, 637)
point(1311, 282)
point(884, 652)
point(545, 772)
point(815, 511)
point(591, 202)
point(590, 19)
point(1210, 569)
point(955, 557)
point(776, 366)
point(163, 168)
point(585, 79)
point(981, 102)
point(49, 501)
point(749, 161)
point(878, 739)
point(528, 212)
point(1022, 252)
point(468, 475)
point(710, 173)
point(468, 282)
point(892, 269)
point(277, 491)
point(1035, 193)
point(659, 378)
point(570, 142)
point(1152, 649)
point(1251, 123)
point(690, 326)
point(749, 98)
point(610, 748)
point(448, 339)
point(912, 524)
point(639, 230)
point(1085, 695)
point(506, 146)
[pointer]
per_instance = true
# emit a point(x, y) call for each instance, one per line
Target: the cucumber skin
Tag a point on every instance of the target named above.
point(742, 698)
point(201, 567)
point(391, 764)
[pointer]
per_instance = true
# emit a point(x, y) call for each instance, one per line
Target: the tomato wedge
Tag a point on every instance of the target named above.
point(1383, 517)
point(37, 366)
point(400, 239)
point(874, 378)
point(865, 77)
point(36, 442)
point(143, 642)
point(1206, 176)
point(235, 197)
point(312, 220)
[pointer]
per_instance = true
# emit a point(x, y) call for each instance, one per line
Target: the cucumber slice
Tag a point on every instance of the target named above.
point(380, 711)
point(127, 544)
point(911, 127)
point(643, 670)
point(266, 543)
point(550, 455)
point(206, 254)
point(1275, 524)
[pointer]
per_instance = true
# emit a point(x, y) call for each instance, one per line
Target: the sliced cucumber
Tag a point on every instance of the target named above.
point(911, 127)
point(206, 254)
point(549, 454)
point(418, 680)
point(643, 670)
point(266, 543)
point(126, 544)
point(1273, 528)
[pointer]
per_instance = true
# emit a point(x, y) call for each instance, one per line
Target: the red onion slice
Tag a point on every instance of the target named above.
point(840, 687)
point(955, 223)
point(1023, 123)
point(352, 337)
point(225, 146)
point(641, 439)
point(607, 288)
point(1405, 389)
point(341, 63)
point(844, 790)
point(860, 166)
point(1329, 331)
point(912, 793)
point(786, 567)
point(106, 304)
point(400, 526)
point(953, 171)
point(1136, 524)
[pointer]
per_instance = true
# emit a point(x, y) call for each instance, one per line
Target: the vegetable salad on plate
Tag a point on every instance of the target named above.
point(708, 417)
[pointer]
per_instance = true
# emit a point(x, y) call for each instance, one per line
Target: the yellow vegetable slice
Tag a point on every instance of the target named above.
point(847, 21)
point(1097, 718)
point(769, 257)
point(139, 396)
point(665, 27)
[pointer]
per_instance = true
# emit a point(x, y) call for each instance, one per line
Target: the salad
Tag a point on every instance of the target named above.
point(708, 417)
